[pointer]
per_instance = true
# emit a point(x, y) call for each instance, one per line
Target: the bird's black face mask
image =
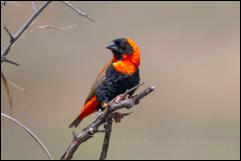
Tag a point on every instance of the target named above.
point(120, 46)
point(117, 55)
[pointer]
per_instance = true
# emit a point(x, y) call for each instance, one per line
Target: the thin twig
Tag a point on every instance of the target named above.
point(33, 6)
point(29, 132)
point(53, 27)
point(9, 34)
point(15, 37)
point(88, 132)
point(16, 86)
point(10, 61)
point(22, 29)
point(77, 10)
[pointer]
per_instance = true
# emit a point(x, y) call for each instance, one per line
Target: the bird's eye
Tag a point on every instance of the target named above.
point(122, 45)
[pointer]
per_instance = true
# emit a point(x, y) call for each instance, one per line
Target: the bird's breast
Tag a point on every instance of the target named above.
point(124, 67)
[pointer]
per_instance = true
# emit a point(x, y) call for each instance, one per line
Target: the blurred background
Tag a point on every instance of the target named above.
point(189, 50)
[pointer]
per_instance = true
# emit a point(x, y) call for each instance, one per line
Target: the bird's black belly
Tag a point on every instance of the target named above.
point(115, 84)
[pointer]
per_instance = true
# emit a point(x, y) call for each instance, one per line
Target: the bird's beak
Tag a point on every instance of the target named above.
point(112, 46)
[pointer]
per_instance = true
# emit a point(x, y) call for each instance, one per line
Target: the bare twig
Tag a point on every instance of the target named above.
point(77, 10)
point(14, 38)
point(16, 86)
point(108, 129)
point(33, 6)
point(53, 27)
point(10, 35)
point(88, 132)
point(29, 132)
point(21, 30)
point(10, 61)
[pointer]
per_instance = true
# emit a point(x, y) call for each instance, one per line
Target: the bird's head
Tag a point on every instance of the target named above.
point(125, 49)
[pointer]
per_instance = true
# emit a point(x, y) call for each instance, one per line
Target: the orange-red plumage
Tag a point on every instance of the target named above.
point(89, 107)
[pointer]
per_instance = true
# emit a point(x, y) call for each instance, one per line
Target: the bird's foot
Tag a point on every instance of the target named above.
point(120, 97)
point(104, 105)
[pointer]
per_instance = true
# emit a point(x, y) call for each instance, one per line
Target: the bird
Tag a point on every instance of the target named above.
point(118, 75)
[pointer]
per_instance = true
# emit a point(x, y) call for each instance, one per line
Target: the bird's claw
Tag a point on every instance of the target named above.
point(119, 98)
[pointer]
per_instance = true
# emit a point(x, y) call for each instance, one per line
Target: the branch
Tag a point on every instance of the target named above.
point(29, 132)
point(14, 38)
point(88, 132)
point(108, 128)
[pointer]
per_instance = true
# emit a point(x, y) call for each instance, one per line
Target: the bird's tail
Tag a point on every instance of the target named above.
point(75, 123)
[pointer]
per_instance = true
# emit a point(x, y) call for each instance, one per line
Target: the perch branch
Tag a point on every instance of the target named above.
point(88, 132)
point(29, 132)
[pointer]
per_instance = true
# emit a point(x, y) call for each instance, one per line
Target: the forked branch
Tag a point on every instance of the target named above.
point(88, 132)
point(36, 12)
